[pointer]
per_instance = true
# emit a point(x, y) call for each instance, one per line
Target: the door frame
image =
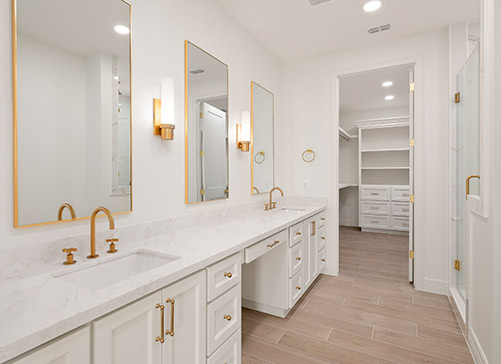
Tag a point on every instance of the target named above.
point(417, 63)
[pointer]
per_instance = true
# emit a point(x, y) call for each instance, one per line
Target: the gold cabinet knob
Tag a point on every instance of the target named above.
point(298, 288)
point(323, 219)
point(227, 317)
point(298, 233)
point(228, 274)
point(298, 259)
point(323, 260)
point(69, 256)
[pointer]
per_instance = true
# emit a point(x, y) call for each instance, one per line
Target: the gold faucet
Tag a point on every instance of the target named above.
point(272, 205)
point(62, 207)
point(93, 229)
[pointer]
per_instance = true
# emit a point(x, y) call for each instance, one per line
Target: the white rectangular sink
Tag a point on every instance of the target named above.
point(115, 270)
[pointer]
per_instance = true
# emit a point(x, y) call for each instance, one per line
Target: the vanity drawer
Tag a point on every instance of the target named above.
point(230, 352)
point(400, 223)
point(223, 318)
point(322, 254)
point(296, 234)
point(264, 246)
point(223, 275)
point(296, 255)
point(295, 288)
point(322, 238)
point(378, 222)
point(321, 219)
point(400, 208)
point(375, 207)
point(375, 193)
point(400, 193)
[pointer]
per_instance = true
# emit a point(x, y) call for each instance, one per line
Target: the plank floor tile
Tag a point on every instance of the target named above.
point(369, 314)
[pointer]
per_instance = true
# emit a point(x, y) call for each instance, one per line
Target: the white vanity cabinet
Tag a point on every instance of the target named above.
point(141, 333)
point(72, 348)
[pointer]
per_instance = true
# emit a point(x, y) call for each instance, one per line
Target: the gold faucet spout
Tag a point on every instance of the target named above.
point(70, 209)
point(93, 229)
point(272, 204)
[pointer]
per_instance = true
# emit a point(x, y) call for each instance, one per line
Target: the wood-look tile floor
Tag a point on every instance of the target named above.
point(369, 314)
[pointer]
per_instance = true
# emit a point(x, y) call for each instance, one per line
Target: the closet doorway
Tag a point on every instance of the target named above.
point(376, 174)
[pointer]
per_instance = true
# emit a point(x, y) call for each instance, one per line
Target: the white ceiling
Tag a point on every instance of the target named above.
point(292, 29)
point(364, 92)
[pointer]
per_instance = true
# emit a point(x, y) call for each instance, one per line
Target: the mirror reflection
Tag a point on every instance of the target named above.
point(206, 126)
point(73, 115)
point(262, 114)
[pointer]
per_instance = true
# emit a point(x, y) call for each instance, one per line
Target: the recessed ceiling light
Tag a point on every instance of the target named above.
point(387, 84)
point(115, 78)
point(389, 97)
point(121, 29)
point(372, 6)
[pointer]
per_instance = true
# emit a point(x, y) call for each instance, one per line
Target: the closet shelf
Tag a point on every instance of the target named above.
point(385, 150)
point(346, 185)
point(384, 168)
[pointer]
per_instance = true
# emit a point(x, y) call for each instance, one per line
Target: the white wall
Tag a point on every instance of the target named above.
point(159, 28)
point(312, 123)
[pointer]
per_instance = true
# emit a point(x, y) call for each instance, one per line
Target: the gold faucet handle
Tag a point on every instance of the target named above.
point(113, 248)
point(69, 256)
point(273, 205)
point(267, 206)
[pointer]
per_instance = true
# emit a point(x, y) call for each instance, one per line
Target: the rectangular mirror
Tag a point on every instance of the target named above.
point(72, 109)
point(206, 126)
point(262, 144)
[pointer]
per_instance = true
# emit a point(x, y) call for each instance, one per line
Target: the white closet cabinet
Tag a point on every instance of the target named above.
point(140, 333)
point(73, 348)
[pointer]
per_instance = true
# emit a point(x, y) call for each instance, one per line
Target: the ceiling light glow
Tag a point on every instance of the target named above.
point(389, 97)
point(387, 84)
point(372, 6)
point(121, 29)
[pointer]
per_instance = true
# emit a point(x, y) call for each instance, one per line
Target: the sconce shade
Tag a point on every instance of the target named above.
point(245, 126)
point(167, 90)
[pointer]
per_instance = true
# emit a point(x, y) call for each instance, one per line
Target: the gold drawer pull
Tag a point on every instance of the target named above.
point(323, 218)
point(274, 243)
point(405, 210)
point(298, 288)
point(171, 331)
point(374, 207)
point(374, 193)
point(228, 274)
point(313, 228)
point(227, 317)
point(374, 222)
point(323, 260)
point(405, 224)
point(298, 259)
point(323, 238)
point(298, 233)
point(161, 338)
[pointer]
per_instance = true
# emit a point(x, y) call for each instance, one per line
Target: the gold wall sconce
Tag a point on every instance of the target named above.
point(163, 110)
point(243, 132)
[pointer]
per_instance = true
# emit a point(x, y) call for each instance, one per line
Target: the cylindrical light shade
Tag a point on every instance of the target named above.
point(167, 89)
point(245, 126)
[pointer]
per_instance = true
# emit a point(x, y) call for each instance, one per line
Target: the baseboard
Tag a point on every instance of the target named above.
point(349, 223)
point(436, 286)
point(476, 349)
point(261, 307)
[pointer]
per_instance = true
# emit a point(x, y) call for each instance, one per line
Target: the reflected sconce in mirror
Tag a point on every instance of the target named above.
point(163, 110)
point(243, 132)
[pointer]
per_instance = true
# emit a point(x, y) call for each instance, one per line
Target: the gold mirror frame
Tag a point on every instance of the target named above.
point(14, 120)
point(254, 190)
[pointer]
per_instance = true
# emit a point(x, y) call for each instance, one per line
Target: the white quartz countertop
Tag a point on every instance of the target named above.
point(40, 308)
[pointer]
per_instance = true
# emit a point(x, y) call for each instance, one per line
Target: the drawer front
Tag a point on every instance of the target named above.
point(296, 288)
point(400, 208)
point(223, 275)
point(375, 193)
point(400, 223)
point(296, 234)
point(378, 222)
point(322, 254)
point(321, 219)
point(223, 318)
point(400, 193)
point(296, 259)
point(321, 238)
point(230, 352)
point(375, 207)
point(265, 245)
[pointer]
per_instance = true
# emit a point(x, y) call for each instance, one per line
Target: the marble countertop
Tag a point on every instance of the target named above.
point(39, 308)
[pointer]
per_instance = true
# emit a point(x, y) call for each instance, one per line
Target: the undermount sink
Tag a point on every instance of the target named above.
point(290, 209)
point(115, 270)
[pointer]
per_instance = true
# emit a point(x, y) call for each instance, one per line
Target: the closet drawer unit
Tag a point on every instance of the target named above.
point(223, 318)
point(322, 260)
point(380, 193)
point(265, 245)
point(322, 238)
point(296, 234)
point(400, 208)
point(296, 255)
point(321, 219)
point(400, 194)
point(230, 352)
point(373, 207)
point(295, 288)
point(378, 222)
point(223, 275)
point(400, 223)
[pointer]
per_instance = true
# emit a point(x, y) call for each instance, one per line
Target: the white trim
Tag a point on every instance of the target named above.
point(476, 349)
point(437, 286)
point(392, 121)
point(459, 302)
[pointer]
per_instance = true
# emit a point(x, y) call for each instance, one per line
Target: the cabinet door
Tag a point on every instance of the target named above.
point(129, 334)
point(73, 348)
point(185, 319)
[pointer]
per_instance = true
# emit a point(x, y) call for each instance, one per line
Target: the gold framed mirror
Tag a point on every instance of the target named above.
point(71, 109)
point(206, 126)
